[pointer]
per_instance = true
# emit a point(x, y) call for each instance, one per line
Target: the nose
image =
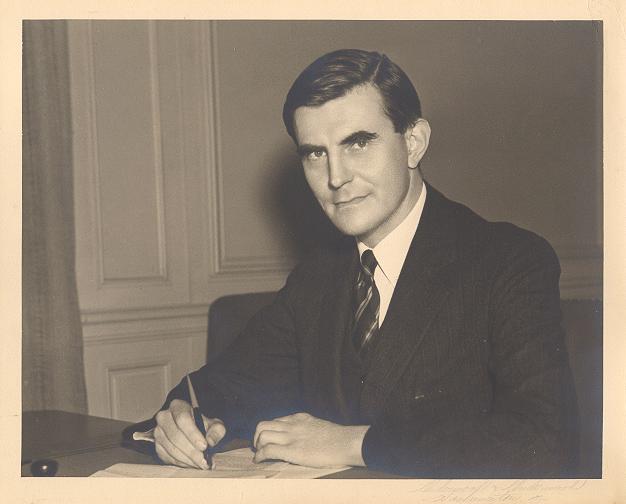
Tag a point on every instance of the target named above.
point(338, 172)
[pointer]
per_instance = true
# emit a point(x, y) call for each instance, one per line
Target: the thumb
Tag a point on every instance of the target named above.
point(215, 430)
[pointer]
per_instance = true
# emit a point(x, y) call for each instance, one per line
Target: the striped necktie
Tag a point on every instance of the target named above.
point(366, 305)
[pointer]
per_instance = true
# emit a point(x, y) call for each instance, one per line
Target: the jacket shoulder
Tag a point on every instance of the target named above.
point(471, 228)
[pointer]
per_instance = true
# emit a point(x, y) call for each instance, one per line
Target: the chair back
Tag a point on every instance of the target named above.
point(228, 316)
point(582, 321)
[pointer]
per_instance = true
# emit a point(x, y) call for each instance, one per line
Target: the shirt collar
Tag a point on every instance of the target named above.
point(391, 251)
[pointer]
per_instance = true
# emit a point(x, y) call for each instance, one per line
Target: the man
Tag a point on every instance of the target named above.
point(442, 356)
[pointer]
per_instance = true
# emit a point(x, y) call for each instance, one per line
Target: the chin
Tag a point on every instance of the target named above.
point(351, 229)
point(353, 222)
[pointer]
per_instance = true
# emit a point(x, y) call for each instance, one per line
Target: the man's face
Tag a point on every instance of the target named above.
point(358, 166)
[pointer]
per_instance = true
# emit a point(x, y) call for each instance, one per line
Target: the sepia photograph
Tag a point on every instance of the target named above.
point(347, 250)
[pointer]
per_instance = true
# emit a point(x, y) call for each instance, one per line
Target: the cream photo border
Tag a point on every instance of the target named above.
point(610, 489)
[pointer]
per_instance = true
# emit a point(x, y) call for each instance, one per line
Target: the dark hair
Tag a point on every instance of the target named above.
point(336, 73)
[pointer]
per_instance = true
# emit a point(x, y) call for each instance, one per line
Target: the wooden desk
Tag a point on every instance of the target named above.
point(83, 445)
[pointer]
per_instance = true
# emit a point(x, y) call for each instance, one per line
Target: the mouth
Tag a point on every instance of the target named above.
point(350, 202)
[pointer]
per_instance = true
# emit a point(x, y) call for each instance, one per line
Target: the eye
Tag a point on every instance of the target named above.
point(315, 155)
point(360, 141)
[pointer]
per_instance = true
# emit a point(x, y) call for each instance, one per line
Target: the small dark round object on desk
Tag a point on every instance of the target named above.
point(44, 467)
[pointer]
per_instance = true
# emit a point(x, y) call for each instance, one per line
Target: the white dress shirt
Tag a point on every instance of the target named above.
point(391, 253)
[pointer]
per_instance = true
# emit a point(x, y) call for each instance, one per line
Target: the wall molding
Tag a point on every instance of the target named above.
point(139, 337)
point(95, 167)
point(143, 325)
point(115, 376)
point(224, 265)
point(113, 363)
point(128, 349)
point(581, 272)
point(167, 279)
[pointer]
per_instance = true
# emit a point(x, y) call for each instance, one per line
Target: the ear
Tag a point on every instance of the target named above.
point(417, 139)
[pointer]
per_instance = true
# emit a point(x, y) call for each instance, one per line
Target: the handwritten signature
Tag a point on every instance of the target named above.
point(493, 491)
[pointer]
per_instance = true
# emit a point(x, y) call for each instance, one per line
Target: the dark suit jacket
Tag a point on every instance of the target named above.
point(469, 377)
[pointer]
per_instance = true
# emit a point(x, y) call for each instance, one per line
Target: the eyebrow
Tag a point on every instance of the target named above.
point(357, 136)
point(306, 149)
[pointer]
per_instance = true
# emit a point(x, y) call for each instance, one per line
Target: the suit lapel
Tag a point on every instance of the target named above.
point(419, 295)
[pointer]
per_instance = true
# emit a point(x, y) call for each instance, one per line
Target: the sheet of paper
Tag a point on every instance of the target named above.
point(157, 471)
point(230, 464)
point(301, 472)
point(241, 460)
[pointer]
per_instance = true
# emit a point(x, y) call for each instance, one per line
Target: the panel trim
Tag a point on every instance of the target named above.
point(165, 365)
point(161, 276)
point(156, 313)
point(223, 264)
point(94, 165)
point(181, 354)
point(158, 153)
point(169, 283)
point(141, 337)
point(125, 326)
point(93, 153)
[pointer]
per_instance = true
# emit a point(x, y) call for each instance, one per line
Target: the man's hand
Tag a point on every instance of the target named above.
point(179, 442)
point(308, 441)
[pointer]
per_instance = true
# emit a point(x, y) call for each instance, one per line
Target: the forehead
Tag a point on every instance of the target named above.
point(359, 110)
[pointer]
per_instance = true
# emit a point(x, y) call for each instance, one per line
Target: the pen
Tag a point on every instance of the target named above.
point(197, 417)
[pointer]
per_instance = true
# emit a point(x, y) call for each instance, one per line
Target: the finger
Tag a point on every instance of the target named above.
point(169, 453)
point(175, 441)
point(271, 452)
point(261, 426)
point(167, 459)
point(182, 414)
point(215, 430)
point(272, 437)
point(268, 425)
